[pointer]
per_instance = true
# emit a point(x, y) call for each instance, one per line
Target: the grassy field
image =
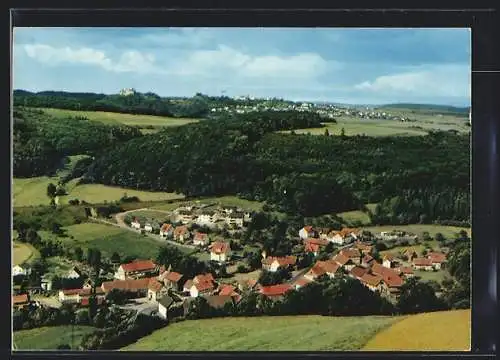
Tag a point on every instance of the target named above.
point(24, 253)
point(299, 333)
point(438, 331)
point(350, 217)
point(149, 215)
point(438, 276)
point(33, 192)
point(417, 248)
point(109, 239)
point(127, 119)
point(448, 232)
point(49, 338)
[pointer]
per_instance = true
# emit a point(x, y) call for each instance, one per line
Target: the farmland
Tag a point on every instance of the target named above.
point(449, 232)
point(23, 253)
point(438, 331)
point(299, 333)
point(109, 239)
point(142, 121)
point(33, 192)
point(49, 338)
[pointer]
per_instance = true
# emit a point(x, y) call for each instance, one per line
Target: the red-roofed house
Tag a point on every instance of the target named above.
point(136, 269)
point(389, 261)
point(367, 261)
point(307, 232)
point(371, 281)
point(363, 247)
point(357, 272)
point(275, 292)
point(272, 263)
point(329, 267)
point(138, 286)
point(200, 239)
point(20, 301)
point(391, 284)
point(76, 295)
point(344, 236)
point(220, 251)
point(156, 290)
point(422, 264)
point(405, 271)
point(170, 279)
point(353, 254)
point(167, 230)
point(181, 234)
point(438, 259)
point(301, 282)
point(314, 245)
point(203, 287)
point(344, 261)
point(85, 301)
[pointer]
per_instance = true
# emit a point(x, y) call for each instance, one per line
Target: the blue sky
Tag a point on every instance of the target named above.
point(357, 66)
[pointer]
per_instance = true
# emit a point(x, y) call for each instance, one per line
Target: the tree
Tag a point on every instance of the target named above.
point(64, 347)
point(439, 237)
point(115, 258)
point(342, 132)
point(51, 191)
point(327, 133)
point(78, 254)
point(90, 256)
point(416, 297)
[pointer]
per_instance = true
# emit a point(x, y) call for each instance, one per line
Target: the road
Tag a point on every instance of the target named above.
point(297, 275)
point(121, 223)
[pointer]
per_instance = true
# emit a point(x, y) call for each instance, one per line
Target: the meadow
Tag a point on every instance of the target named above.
point(438, 331)
point(108, 239)
point(49, 338)
point(126, 119)
point(33, 192)
point(24, 253)
point(449, 232)
point(215, 201)
point(293, 333)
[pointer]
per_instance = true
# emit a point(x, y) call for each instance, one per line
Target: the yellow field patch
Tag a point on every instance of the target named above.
point(437, 331)
point(23, 253)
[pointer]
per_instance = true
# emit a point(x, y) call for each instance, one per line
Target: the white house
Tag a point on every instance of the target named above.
point(388, 261)
point(163, 305)
point(148, 227)
point(274, 263)
point(167, 230)
point(220, 251)
point(69, 296)
point(156, 290)
point(207, 218)
point(18, 270)
point(135, 224)
point(73, 273)
point(235, 219)
point(307, 232)
point(343, 236)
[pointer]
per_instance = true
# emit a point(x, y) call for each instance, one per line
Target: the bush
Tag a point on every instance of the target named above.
point(242, 269)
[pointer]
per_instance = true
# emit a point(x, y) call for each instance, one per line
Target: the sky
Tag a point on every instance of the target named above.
point(342, 65)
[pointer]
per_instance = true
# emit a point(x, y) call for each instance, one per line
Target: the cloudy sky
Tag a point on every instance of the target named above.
point(357, 66)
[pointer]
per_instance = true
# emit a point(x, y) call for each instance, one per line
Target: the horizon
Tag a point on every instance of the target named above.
point(351, 66)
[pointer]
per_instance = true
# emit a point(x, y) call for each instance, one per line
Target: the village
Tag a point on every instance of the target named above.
point(152, 288)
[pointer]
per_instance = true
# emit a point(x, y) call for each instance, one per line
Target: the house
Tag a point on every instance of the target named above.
point(367, 261)
point(272, 263)
point(20, 301)
point(148, 227)
point(181, 234)
point(323, 233)
point(405, 272)
point(136, 269)
point(207, 218)
point(329, 267)
point(184, 216)
point(156, 290)
point(301, 282)
point(389, 261)
point(371, 281)
point(344, 261)
point(138, 286)
point(438, 259)
point(164, 303)
point(220, 251)
point(86, 301)
point(18, 270)
point(307, 232)
point(250, 284)
point(46, 283)
point(357, 272)
point(314, 246)
point(74, 273)
point(135, 224)
point(166, 231)
point(365, 248)
point(391, 281)
point(422, 264)
point(247, 216)
point(344, 236)
point(200, 239)
point(69, 296)
point(229, 290)
point(202, 287)
point(275, 292)
point(352, 254)
point(235, 219)
point(410, 254)
point(170, 279)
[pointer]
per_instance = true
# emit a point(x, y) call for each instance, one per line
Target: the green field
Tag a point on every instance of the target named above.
point(438, 276)
point(449, 232)
point(24, 253)
point(127, 119)
point(49, 338)
point(109, 239)
point(437, 331)
point(294, 333)
point(33, 192)
point(150, 215)
point(350, 217)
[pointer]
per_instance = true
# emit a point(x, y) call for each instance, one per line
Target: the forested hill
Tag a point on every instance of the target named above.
point(138, 103)
point(301, 174)
point(429, 108)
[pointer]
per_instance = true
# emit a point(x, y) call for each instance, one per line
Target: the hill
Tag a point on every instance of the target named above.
point(49, 338)
point(284, 333)
point(428, 108)
point(438, 331)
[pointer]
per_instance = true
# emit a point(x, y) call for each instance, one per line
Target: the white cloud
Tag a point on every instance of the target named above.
point(442, 80)
point(130, 61)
